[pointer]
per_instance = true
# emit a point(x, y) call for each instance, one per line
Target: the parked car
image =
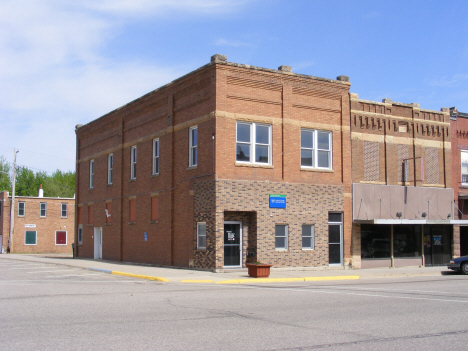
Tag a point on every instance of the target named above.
point(459, 264)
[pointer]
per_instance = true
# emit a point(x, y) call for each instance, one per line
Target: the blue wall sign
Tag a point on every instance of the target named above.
point(277, 201)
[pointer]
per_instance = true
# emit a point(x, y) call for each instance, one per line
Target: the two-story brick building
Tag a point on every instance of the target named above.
point(41, 224)
point(228, 164)
point(232, 164)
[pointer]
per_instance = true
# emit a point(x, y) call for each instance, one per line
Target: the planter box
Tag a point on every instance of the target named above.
point(259, 270)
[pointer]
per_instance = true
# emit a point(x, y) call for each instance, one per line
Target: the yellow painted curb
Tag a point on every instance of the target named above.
point(285, 280)
point(141, 276)
point(196, 281)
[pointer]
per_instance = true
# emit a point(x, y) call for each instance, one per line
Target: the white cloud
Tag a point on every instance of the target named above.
point(445, 81)
point(54, 73)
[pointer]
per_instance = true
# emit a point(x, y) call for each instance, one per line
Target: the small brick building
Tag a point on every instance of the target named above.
point(232, 164)
point(41, 224)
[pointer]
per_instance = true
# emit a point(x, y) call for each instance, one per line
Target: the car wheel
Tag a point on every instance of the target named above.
point(464, 268)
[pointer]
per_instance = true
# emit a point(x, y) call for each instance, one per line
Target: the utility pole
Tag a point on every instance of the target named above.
point(12, 208)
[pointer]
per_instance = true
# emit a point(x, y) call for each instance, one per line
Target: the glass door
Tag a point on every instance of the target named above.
point(335, 239)
point(232, 244)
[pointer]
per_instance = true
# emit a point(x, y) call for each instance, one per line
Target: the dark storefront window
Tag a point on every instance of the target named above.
point(406, 241)
point(375, 241)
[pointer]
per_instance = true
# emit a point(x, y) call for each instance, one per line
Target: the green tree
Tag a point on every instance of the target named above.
point(25, 182)
point(5, 182)
point(60, 184)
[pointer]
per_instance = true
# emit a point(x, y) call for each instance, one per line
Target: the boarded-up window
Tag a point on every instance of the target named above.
point(371, 161)
point(154, 208)
point(60, 238)
point(30, 237)
point(132, 211)
point(90, 214)
point(402, 154)
point(108, 213)
point(432, 165)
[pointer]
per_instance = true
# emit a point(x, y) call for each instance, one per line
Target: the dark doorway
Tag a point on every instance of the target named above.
point(463, 241)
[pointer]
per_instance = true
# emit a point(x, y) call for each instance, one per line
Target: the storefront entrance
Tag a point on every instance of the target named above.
point(437, 245)
point(232, 244)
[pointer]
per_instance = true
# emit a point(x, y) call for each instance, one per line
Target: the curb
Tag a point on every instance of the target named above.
point(286, 280)
point(147, 277)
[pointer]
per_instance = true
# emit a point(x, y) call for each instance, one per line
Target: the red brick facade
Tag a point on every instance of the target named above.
point(51, 231)
point(215, 98)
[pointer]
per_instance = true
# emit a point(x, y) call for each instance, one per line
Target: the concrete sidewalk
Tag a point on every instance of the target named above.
point(236, 276)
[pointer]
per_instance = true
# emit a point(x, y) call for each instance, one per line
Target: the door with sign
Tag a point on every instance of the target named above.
point(232, 244)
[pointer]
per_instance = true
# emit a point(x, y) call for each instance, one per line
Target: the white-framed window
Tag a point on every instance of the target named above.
point(30, 237)
point(43, 209)
point(91, 174)
point(60, 237)
point(155, 156)
point(201, 236)
point(193, 146)
point(110, 168)
point(80, 233)
point(253, 143)
point(464, 167)
point(307, 237)
point(316, 149)
point(133, 161)
point(21, 208)
point(281, 237)
point(64, 210)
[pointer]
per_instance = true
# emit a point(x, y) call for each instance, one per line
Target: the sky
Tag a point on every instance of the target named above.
point(64, 63)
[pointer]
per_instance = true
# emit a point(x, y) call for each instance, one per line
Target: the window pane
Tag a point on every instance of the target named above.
point(280, 230)
point(306, 242)
point(202, 229)
point(334, 253)
point(261, 153)
point(306, 158)
point(194, 156)
point(156, 148)
point(322, 158)
point(334, 233)
point(323, 140)
point(280, 242)
point(243, 132)
point(306, 230)
point(334, 217)
point(464, 167)
point(262, 135)
point(195, 137)
point(307, 139)
point(202, 241)
point(243, 152)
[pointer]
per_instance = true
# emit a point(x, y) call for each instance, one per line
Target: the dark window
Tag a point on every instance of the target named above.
point(30, 238)
point(375, 241)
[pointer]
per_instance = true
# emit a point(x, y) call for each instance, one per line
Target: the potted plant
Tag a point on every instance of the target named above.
point(259, 270)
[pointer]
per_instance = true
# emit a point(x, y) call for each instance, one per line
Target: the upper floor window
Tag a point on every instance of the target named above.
point(21, 208)
point(464, 167)
point(133, 161)
point(110, 168)
point(91, 174)
point(253, 143)
point(193, 146)
point(316, 149)
point(156, 156)
point(64, 211)
point(43, 209)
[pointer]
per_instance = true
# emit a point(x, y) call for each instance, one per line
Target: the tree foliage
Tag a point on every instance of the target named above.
point(59, 184)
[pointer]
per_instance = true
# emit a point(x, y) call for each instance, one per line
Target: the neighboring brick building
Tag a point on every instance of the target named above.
point(402, 193)
point(459, 126)
point(184, 176)
point(41, 224)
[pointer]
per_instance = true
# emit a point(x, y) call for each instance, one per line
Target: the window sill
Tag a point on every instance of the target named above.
point(308, 249)
point(108, 223)
point(192, 167)
point(154, 222)
point(282, 250)
point(132, 180)
point(131, 223)
point(254, 165)
point(90, 189)
point(110, 184)
point(155, 175)
point(90, 224)
point(322, 170)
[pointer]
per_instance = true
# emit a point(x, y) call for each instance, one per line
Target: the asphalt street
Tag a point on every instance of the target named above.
point(53, 307)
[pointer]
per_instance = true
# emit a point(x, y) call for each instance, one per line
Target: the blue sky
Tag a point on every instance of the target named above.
point(68, 62)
